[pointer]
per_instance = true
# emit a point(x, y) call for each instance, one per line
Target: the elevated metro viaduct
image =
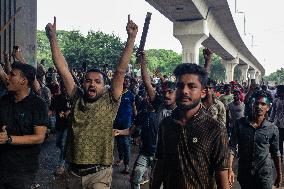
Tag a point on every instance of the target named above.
point(211, 24)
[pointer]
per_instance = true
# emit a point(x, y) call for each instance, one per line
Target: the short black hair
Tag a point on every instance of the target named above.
point(168, 84)
point(105, 77)
point(190, 68)
point(262, 93)
point(27, 71)
point(227, 87)
point(264, 87)
point(210, 82)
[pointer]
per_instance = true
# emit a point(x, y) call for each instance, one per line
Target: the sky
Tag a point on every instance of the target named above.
point(264, 27)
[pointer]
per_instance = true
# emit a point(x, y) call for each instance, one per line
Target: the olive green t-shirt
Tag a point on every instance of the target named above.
point(90, 140)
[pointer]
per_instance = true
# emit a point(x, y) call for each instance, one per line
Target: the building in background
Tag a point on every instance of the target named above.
point(22, 28)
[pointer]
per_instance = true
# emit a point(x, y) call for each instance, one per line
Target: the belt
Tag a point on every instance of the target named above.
point(83, 170)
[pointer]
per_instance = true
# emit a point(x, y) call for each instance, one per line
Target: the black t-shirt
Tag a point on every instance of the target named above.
point(60, 103)
point(145, 121)
point(20, 119)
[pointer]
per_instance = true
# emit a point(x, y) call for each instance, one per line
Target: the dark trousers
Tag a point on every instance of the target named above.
point(23, 181)
point(281, 139)
point(123, 148)
point(263, 179)
point(253, 185)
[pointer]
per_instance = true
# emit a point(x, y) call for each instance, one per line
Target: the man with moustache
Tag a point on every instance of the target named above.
point(255, 140)
point(236, 110)
point(23, 120)
point(192, 146)
point(163, 104)
point(89, 145)
point(212, 106)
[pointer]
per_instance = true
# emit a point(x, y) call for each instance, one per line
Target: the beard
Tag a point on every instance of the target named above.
point(187, 107)
point(90, 99)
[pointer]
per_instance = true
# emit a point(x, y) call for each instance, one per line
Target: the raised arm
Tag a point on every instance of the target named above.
point(7, 63)
point(142, 60)
point(58, 58)
point(118, 77)
point(208, 59)
point(3, 75)
point(18, 56)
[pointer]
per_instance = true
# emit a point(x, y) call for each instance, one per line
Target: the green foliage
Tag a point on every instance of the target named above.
point(43, 47)
point(95, 49)
point(217, 69)
point(163, 60)
point(98, 48)
point(275, 77)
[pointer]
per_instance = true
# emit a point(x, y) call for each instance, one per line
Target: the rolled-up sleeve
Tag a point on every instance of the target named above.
point(221, 151)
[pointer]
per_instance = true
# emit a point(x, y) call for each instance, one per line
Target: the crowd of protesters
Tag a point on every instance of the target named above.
point(189, 130)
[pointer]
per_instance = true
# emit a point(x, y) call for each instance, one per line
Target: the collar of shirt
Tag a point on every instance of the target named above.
point(264, 124)
point(12, 97)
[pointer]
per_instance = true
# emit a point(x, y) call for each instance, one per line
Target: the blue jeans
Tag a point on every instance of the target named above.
point(60, 143)
point(140, 167)
point(51, 123)
point(123, 148)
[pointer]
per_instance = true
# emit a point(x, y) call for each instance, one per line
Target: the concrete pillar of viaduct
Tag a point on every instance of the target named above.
point(257, 77)
point(252, 73)
point(244, 71)
point(230, 66)
point(191, 34)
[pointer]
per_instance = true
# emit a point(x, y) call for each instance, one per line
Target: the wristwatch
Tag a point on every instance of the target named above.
point(9, 140)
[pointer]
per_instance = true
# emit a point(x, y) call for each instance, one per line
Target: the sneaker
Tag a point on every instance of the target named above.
point(35, 186)
point(144, 181)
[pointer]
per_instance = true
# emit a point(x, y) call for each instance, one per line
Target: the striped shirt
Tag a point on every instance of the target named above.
point(188, 156)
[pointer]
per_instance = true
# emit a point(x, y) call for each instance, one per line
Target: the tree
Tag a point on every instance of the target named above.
point(95, 49)
point(275, 77)
point(43, 47)
point(98, 48)
point(217, 69)
point(163, 60)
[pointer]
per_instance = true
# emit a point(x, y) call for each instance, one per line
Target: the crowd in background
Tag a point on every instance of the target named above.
point(140, 110)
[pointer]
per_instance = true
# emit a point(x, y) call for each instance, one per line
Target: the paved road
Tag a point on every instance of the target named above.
point(48, 159)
